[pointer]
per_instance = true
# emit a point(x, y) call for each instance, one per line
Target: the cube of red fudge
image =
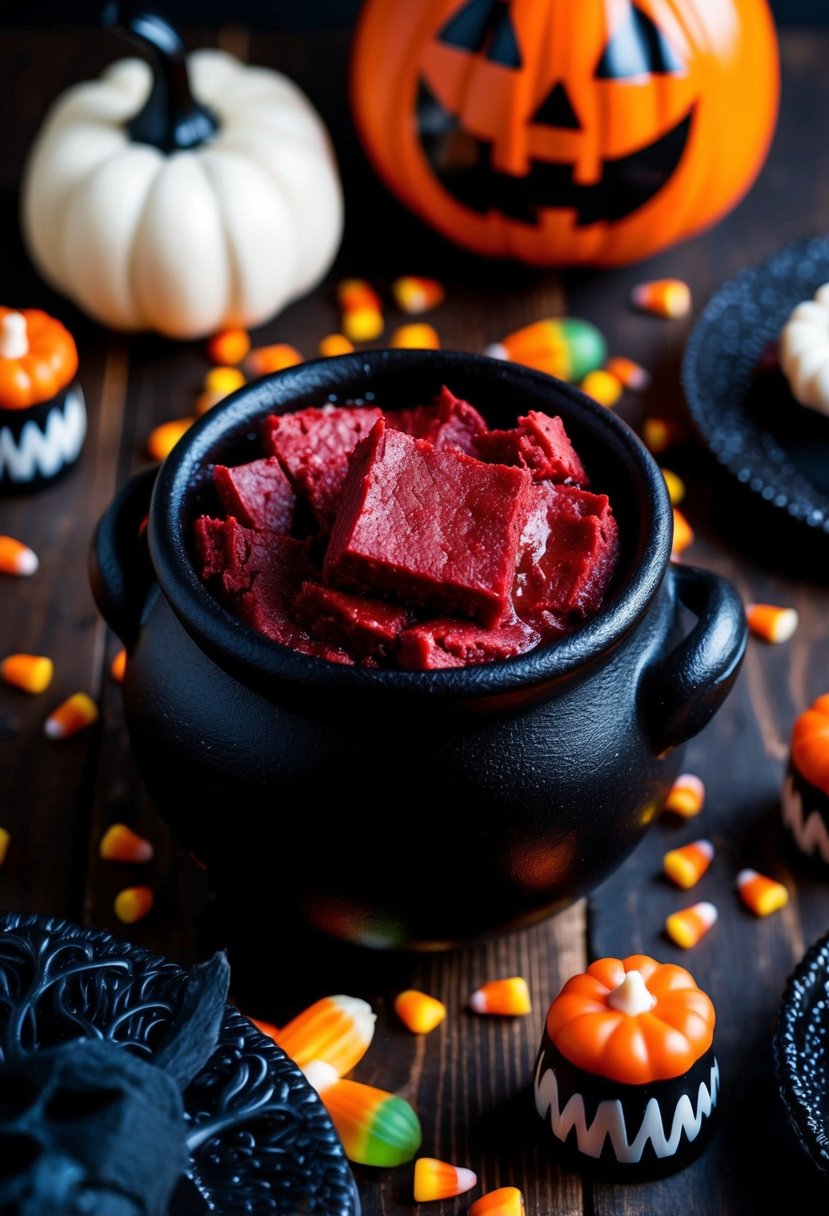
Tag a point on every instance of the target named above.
point(313, 447)
point(567, 556)
point(538, 443)
point(433, 528)
point(258, 576)
point(448, 422)
point(258, 494)
point(451, 643)
point(364, 627)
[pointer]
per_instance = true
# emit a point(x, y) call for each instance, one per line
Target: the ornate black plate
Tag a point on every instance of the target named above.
point(801, 1052)
point(776, 450)
point(282, 1157)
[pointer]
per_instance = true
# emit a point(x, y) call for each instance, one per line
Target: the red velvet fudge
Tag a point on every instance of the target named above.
point(539, 443)
point(567, 555)
point(451, 643)
point(447, 423)
point(437, 529)
point(364, 627)
point(313, 447)
point(258, 494)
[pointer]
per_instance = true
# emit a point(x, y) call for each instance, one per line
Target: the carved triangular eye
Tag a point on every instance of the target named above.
point(485, 27)
point(556, 110)
point(638, 48)
point(504, 47)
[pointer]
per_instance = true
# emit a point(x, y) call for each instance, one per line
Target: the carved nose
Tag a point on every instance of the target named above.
point(556, 110)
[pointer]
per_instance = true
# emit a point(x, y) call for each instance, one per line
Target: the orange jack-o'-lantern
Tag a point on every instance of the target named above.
point(562, 133)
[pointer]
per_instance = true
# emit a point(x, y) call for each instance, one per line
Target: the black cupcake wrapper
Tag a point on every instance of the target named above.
point(40, 443)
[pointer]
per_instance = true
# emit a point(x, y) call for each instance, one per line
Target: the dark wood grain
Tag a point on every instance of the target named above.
point(469, 1079)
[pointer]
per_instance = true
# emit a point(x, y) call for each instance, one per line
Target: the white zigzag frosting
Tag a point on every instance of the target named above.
point(45, 451)
point(610, 1120)
point(810, 830)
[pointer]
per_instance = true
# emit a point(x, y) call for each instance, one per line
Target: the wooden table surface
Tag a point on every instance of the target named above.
point(469, 1080)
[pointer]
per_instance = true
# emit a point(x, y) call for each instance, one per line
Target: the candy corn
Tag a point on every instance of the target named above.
point(416, 336)
point(419, 1012)
point(435, 1179)
point(118, 666)
point(685, 797)
point(31, 672)
point(761, 895)
point(133, 904)
point(661, 434)
point(229, 346)
point(663, 298)
point(164, 438)
point(376, 1128)
point(223, 380)
point(771, 623)
point(630, 374)
point(690, 925)
point(414, 295)
point(507, 997)
point(335, 344)
point(506, 1201)
point(362, 313)
point(683, 533)
point(685, 866)
point(603, 387)
point(268, 359)
point(336, 1030)
point(74, 714)
point(17, 558)
point(5, 841)
point(676, 486)
point(120, 843)
point(568, 348)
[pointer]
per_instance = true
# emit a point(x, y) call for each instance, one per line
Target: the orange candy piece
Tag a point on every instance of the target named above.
point(72, 715)
point(686, 797)
point(31, 672)
point(507, 998)
point(506, 1201)
point(229, 346)
point(661, 434)
point(335, 344)
point(663, 298)
point(417, 336)
point(770, 623)
point(133, 904)
point(336, 1030)
point(419, 1012)
point(5, 841)
point(17, 558)
point(415, 295)
point(266, 360)
point(686, 865)
point(689, 925)
point(683, 534)
point(120, 843)
point(164, 438)
point(761, 895)
point(603, 387)
point(361, 309)
point(434, 1179)
point(118, 666)
point(631, 375)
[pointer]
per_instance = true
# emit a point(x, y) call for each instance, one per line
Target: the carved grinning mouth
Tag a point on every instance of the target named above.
point(463, 165)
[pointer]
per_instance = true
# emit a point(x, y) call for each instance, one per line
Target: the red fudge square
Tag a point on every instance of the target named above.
point(258, 494)
point(539, 443)
point(313, 447)
point(364, 627)
point(432, 528)
point(461, 643)
point(447, 423)
point(567, 555)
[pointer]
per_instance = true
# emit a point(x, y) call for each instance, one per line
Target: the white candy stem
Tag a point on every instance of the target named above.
point(632, 996)
point(14, 341)
point(320, 1075)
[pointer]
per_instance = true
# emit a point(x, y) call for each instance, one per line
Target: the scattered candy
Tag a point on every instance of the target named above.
point(268, 359)
point(683, 533)
point(416, 336)
point(414, 295)
point(676, 486)
point(17, 558)
point(506, 1201)
point(631, 375)
point(686, 796)
point(229, 346)
point(31, 672)
point(335, 344)
point(761, 895)
point(118, 666)
point(5, 841)
point(361, 310)
point(770, 623)
point(419, 1012)
point(164, 438)
point(224, 380)
point(120, 843)
point(435, 1179)
point(133, 904)
point(690, 925)
point(336, 1030)
point(568, 348)
point(663, 298)
point(74, 714)
point(509, 997)
point(661, 434)
point(603, 387)
point(685, 866)
point(376, 1127)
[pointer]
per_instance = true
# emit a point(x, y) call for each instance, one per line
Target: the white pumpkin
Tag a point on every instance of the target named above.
point(804, 351)
point(184, 242)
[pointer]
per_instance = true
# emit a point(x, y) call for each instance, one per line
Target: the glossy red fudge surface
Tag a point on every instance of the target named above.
point(414, 538)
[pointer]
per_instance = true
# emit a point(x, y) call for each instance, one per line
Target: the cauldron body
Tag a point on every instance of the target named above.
point(410, 809)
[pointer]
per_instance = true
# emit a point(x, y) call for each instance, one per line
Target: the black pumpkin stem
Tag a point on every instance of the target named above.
point(171, 119)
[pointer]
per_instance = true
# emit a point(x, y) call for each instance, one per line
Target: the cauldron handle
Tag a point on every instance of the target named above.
point(686, 688)
point(119, 562)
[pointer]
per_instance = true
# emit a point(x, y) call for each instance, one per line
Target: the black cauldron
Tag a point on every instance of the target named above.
point(396, 808)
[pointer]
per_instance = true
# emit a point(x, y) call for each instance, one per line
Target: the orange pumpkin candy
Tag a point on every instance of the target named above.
point(49, 364)
point(560, 133)
point(810, 744)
